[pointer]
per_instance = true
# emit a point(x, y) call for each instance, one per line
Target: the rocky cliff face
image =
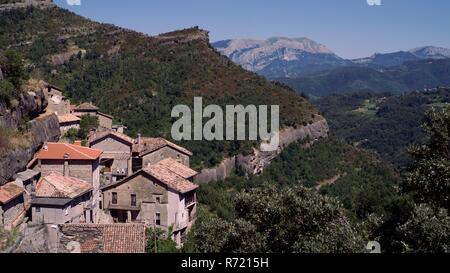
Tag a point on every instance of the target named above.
point(42, 129)
point(255, 163)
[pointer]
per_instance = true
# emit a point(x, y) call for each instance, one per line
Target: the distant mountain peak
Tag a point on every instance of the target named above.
point(431, 52)
point(268, 56)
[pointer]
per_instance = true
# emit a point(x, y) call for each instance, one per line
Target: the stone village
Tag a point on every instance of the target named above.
point(101, 197)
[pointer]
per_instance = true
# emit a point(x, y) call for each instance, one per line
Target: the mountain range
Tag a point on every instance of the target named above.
point(281, 57)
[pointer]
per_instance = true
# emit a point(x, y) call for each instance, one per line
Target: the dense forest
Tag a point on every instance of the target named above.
point(382, 123)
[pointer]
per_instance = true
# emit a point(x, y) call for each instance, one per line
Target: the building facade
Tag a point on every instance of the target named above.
point(60, 199)
point(72, 161)
point(156, 196)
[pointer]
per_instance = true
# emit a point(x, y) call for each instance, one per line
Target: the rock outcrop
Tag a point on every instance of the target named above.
point(218, 173)
point(256, 162)
point(42, 129)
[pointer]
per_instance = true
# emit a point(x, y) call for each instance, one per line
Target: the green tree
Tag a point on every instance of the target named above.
point(285, 220)
point(429, 180)
point(13, 67)
point(72, 134)
point(427, 230)
point(87, 124)
point(160, 241)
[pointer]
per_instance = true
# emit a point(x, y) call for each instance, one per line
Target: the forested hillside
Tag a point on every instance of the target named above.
point(383, 123)
point(138, 78)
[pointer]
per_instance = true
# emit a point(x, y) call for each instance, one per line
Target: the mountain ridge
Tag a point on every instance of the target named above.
point(282, 57)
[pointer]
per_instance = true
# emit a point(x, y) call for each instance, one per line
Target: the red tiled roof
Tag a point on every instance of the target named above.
point(148, 145)
point(68, 118)
point(74, 152)
point(112, 238)
point(9, 192)
point(127, 238)
point(178, 168)
point(170, 178)
point(100, 135)
point(56, 185)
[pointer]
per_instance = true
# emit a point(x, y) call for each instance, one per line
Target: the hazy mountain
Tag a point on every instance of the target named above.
point(280, 56)
point(410, 76)
point(387, 59)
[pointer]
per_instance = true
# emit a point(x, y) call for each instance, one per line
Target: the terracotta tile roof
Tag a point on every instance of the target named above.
point(74, 152)
point(178, 168)
point(170, 178)
point(86, 106)
point(112, 238)
point(10, 192)
point(68, 118)
point(164, 175)
point(148, 145)
point(100, 135)
point(56, 185)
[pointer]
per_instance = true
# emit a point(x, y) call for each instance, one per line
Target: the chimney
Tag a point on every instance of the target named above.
point(139, 139)
point(77, 143)
point(66, 165)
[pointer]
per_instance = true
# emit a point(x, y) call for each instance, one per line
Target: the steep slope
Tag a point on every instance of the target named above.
point(416, 75)
point(138, 78)
point(279, 56)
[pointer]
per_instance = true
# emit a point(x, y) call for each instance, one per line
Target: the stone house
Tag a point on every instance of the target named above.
point(12, 208)
point(92, 238)
point(27, 180)
point(61, 199)
point(67, 122)
point(152, 150)
point(160, 195)
point(116, 159)
point(72, 161)
point(104, 121)
point(57, 102)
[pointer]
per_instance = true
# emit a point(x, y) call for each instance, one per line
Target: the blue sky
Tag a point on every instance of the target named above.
point(350, 28)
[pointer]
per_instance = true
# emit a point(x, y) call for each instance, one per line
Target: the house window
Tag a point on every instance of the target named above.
point(114, 198)
point(158, 219)
point(158, 199)
point(38, 209)
point(133, 200)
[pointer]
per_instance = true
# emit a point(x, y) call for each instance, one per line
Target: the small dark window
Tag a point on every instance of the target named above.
point(100, 204)
point(38, 209)
point(114, 198)
point(158, 219)
point(133, 200)
point(158, 199)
